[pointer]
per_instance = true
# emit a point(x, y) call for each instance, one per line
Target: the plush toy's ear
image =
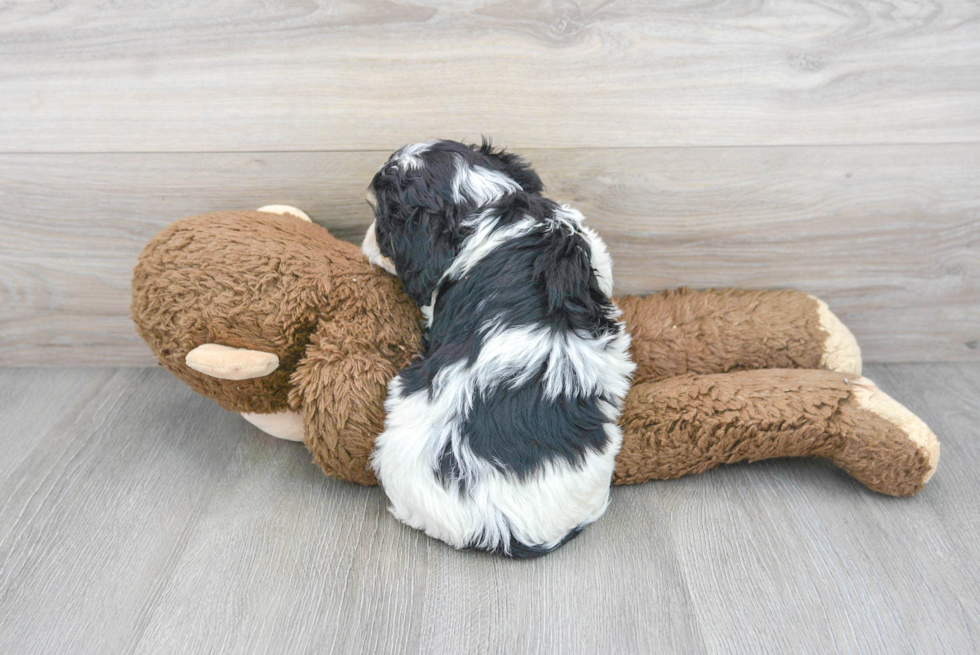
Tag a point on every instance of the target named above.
point(227, 363)
point(286, 210)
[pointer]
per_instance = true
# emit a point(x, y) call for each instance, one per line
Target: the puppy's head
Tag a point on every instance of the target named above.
point(421, 198)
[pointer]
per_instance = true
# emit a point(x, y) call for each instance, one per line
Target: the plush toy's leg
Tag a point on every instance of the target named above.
point(283, 210)
point(692, 423)
point(286, 424)
point(719, 330)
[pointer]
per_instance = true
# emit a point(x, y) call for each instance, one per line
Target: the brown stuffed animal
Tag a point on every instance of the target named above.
point(269, 315)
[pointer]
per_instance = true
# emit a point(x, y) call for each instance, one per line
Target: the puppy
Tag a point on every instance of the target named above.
point(502, 435)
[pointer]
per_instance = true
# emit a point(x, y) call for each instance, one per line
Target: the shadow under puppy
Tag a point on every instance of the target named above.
point(502, 436)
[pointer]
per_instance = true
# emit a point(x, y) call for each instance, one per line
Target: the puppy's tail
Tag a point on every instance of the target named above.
point(520, 550)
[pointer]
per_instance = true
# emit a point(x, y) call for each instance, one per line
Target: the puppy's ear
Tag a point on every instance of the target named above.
point(424, 253)
point(514, 166)
point(417, 227)
point(564, 269)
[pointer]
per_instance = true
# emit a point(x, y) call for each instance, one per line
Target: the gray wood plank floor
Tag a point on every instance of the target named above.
point(138, 517)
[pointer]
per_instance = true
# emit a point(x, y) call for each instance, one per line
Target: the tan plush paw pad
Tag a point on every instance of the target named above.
point(282, 210)
point(286, 424)
point(841, 352)
point(876, 401)
point(229, 363)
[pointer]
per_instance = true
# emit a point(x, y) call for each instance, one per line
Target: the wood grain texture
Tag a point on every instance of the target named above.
point(73, 389)
point(144, 519)
point(96, 76)
point(888, 235)
point(842, 571)
point(95, 516)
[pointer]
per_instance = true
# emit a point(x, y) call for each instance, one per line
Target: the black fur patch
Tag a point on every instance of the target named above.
point(519, 430)
point(520, 550)
point(417, 217)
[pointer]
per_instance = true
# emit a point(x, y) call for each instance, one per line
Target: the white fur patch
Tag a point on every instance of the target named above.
point(427, 310)
point(540, 510)
point(485, 240)
point(373, 253)
point(410, 156)
point(570, 219)
point(576, 366)
point(480, 185)
point(601, 261)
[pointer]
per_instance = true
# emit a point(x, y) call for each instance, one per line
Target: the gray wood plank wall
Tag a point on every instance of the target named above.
point(831, 147)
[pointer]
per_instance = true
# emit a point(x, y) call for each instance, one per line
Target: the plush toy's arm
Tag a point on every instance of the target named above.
point(720, 330)
point(340, 388)
point(692, 423)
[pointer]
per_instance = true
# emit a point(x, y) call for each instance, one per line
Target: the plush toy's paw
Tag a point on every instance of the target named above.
point(282, 210)
point(286, 424)
point(876, 401)
point(841, 352)
point(229, 363)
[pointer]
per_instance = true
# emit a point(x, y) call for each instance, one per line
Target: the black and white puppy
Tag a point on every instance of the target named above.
point(502, 435)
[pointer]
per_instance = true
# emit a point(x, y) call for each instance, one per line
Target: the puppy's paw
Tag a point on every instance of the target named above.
point(841, 351)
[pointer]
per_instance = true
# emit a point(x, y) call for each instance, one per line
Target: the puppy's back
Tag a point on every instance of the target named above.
point(503, 436)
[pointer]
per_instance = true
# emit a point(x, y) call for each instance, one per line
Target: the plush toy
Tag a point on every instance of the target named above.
point(269, 315)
